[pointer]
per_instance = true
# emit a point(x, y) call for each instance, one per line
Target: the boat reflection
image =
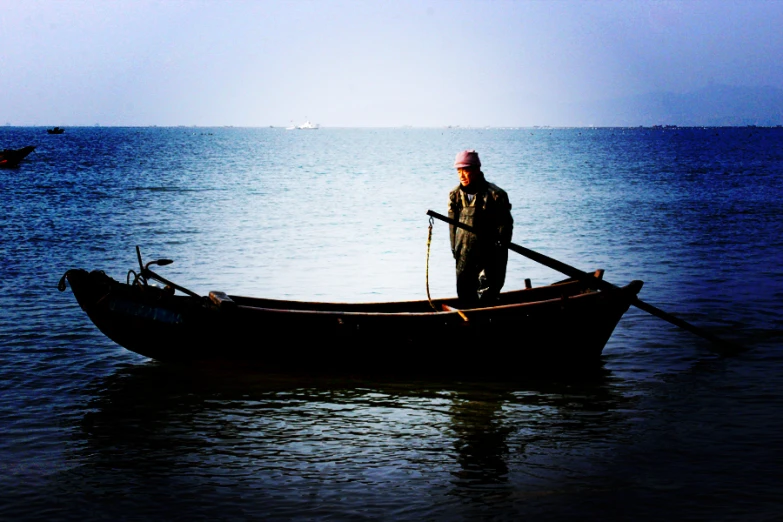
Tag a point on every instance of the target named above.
point(508, 436)
point(481, 433)
point(153, 422)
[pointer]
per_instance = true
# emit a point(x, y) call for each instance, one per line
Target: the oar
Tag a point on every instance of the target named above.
point(722, 346)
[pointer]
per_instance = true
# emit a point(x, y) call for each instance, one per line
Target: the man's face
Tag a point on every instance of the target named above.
point(467, 176)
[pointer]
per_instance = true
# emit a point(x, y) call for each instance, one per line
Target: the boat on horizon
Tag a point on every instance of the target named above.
point(563, 324)
point(55, 130)
point(305, 126)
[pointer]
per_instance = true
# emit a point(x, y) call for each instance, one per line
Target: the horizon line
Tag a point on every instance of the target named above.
point(423, 127)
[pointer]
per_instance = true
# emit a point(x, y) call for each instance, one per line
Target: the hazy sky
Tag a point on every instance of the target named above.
point(367, 63)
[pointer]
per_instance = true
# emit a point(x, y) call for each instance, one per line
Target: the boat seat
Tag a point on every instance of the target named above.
point(447, 308)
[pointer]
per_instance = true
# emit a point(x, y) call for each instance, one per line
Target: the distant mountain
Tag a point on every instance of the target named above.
point(715, 105)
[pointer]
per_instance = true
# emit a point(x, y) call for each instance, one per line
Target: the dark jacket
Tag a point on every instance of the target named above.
point(483, 254)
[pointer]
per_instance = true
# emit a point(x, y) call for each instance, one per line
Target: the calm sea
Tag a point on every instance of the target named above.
point(665, 430)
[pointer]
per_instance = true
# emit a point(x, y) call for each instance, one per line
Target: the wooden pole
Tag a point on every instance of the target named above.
point(721, 346)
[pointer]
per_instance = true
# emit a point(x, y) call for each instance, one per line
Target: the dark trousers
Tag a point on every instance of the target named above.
point(477, 286)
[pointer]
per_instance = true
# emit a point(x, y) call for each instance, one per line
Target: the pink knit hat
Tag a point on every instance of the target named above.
point(467, 158)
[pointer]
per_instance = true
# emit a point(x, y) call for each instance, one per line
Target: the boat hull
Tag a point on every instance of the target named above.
point(564, 324)
point(12, 157)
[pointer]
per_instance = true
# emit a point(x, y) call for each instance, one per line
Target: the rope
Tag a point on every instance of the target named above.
point(427, 271)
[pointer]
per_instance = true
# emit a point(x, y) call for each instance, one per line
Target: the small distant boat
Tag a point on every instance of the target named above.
point(305, 126)
point(56, 130)
point(12, 157)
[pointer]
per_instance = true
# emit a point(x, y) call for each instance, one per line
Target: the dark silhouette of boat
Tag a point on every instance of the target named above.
point(56, 130)
point(12, 157)
point(566, 323)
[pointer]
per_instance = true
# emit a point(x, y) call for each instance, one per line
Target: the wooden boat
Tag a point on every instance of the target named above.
point(566, 323)
point(12, 157)
point(56, 130)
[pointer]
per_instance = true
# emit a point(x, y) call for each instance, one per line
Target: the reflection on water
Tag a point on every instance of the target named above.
point(480, 431)
point(272, 444)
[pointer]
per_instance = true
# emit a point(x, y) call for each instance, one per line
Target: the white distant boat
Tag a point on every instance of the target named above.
point(308, 126)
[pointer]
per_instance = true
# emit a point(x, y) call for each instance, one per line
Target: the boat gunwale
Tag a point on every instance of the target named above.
point(434, 313)
point(573, 289)
point(576, 287)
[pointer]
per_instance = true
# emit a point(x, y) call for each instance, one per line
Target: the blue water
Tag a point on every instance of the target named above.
point(666, 429)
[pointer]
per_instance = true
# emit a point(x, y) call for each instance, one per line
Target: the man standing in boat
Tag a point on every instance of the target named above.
point(481, 257)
